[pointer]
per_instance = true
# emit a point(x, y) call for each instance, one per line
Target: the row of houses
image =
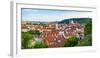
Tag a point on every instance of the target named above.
point(54, 35)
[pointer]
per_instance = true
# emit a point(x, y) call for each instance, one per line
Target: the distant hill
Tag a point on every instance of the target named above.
point(68, 21)
point(79, 20)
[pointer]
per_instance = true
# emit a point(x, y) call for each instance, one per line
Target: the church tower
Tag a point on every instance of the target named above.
point(56, 25)
point(72, 21)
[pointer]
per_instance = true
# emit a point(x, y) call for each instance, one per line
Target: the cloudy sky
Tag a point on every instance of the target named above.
point(51, 15)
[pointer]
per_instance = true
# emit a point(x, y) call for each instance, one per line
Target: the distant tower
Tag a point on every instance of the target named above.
point(72, 22)
point(56, 25)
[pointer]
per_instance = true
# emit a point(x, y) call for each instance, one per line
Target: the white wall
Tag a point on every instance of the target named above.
point(5, 28)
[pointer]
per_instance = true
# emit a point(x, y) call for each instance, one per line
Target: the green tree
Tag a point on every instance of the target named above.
point(40, 44)
point(87, 41)
point(35, 32)
point(70, 42)
point(88, 28)
point(25, 39)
